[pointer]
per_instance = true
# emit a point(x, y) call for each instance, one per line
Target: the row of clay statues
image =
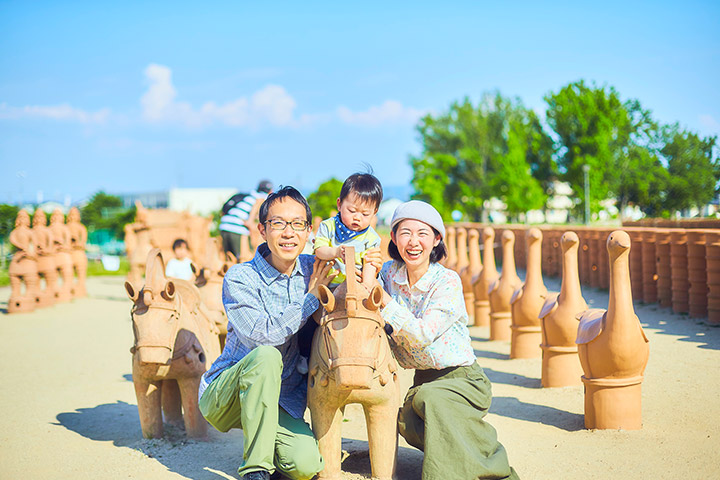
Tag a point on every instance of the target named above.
point(605, 350)
point(54, 254)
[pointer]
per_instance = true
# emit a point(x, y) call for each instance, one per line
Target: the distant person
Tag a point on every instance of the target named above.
point(359, 200)
point(180, 266)
point(239, 215)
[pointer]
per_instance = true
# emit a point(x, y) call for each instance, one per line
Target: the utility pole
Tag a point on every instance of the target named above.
point(586, 172)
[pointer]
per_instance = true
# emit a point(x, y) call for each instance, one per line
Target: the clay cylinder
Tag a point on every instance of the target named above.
point(697, 273)
point(471, 273)
point(649, 266)
point(23, 270)
point(604, 395)
point(636, 263)
point(679, 266)
point(712, 259)
point(662, 266)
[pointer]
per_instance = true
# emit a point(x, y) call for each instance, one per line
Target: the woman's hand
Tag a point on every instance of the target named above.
point(320, 276)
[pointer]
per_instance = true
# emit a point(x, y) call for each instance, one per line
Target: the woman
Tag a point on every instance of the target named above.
point(424, 308)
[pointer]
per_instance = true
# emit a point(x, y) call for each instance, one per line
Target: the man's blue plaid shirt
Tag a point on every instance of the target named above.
point(265, 307)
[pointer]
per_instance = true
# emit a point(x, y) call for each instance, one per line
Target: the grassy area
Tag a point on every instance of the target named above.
point(95, 268)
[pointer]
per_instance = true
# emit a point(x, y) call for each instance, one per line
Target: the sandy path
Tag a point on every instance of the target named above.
point(69, 408)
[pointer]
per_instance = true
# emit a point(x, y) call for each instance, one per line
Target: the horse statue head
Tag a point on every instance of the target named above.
point(155, 313)
point(349, 346)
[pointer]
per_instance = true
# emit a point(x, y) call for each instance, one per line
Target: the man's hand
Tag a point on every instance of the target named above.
point(321, 268)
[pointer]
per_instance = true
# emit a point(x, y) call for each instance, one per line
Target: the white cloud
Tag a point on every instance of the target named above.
point(271, 104)
point(54, 112)
point(389, 112)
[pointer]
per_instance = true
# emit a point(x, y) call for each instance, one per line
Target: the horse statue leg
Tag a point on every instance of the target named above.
point(195, 424)
point(326, 424)
point(148, 398)
point(381, 420)
point(172, 409)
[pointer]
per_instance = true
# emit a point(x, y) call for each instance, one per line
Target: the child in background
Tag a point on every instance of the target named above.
point(359, 200)
point(179, 267)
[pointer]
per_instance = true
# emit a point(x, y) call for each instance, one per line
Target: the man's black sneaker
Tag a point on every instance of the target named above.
point(257, 475)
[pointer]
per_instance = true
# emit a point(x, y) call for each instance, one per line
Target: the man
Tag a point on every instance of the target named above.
point(254, 384)
point(239, 215)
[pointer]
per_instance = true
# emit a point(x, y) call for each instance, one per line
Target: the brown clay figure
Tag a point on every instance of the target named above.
point(663, 268)
point(463, 269)
point(63, 257)
point(78, 240)
point(175, 342)
point(46, 265)
point(471, 273)
point(23, 270)
point(527, 301)
point(613, 350)
point(351, 362)
point(501, 291)
point(697, 273)
point(679, 268)
point(560, 362)
point(209, 279)
point(451, 259)
point(488, 274)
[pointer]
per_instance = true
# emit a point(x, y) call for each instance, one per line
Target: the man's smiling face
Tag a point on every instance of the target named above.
point(285, 245)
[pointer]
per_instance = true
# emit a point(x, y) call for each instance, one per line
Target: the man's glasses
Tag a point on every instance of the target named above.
point(297, 225)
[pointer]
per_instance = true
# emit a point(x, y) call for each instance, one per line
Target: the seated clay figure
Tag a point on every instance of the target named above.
point(63, 257)
point(46, 263)
point(23, 267)
point(78, 239)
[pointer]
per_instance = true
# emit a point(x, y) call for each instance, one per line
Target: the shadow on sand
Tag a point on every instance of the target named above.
point(409, 462)
point(513, 408)
point(118, 423)
point(497, 376)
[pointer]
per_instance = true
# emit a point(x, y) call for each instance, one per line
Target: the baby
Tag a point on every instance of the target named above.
point(360, 198)
point(359, 201)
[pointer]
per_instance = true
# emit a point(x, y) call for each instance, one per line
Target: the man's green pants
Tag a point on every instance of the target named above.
point(246, 396)
point(443, 415)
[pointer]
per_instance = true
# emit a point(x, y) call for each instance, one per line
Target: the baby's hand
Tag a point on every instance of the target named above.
point(340, 252)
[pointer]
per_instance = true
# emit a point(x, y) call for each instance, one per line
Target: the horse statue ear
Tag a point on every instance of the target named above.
point(168, 292)
point(131, 292)
point(374, 301)
point(327, 299)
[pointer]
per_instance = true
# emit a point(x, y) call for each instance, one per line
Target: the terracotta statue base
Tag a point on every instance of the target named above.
point(21, 304)
point(613, 403)
point(500, 326)
point(525, 341)
point(482, 313)
point(560, 366)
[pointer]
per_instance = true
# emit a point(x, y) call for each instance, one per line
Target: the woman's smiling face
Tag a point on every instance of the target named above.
point(415, 240)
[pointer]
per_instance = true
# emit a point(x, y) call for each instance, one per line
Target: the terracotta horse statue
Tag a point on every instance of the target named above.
point(209, 279)
point(175, 342)
point(351, 362)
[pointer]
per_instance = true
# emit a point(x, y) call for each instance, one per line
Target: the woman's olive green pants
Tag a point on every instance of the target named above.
point(443, 416)
point(246, 396)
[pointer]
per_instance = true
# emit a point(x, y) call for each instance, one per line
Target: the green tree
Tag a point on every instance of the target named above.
point(8, 213)
point(106, 212)
point(694, 169)
point(593, 127)
point(323, 201)
point(472, 153)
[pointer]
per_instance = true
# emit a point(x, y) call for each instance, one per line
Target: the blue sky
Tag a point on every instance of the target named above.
point(143, 96)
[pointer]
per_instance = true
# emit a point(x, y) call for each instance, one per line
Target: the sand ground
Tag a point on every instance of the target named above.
point(69, 408)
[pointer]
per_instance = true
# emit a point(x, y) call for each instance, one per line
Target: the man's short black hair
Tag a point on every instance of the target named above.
point(284, 192)
point(179, 243)
point(366, 186)
point(438, 252)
